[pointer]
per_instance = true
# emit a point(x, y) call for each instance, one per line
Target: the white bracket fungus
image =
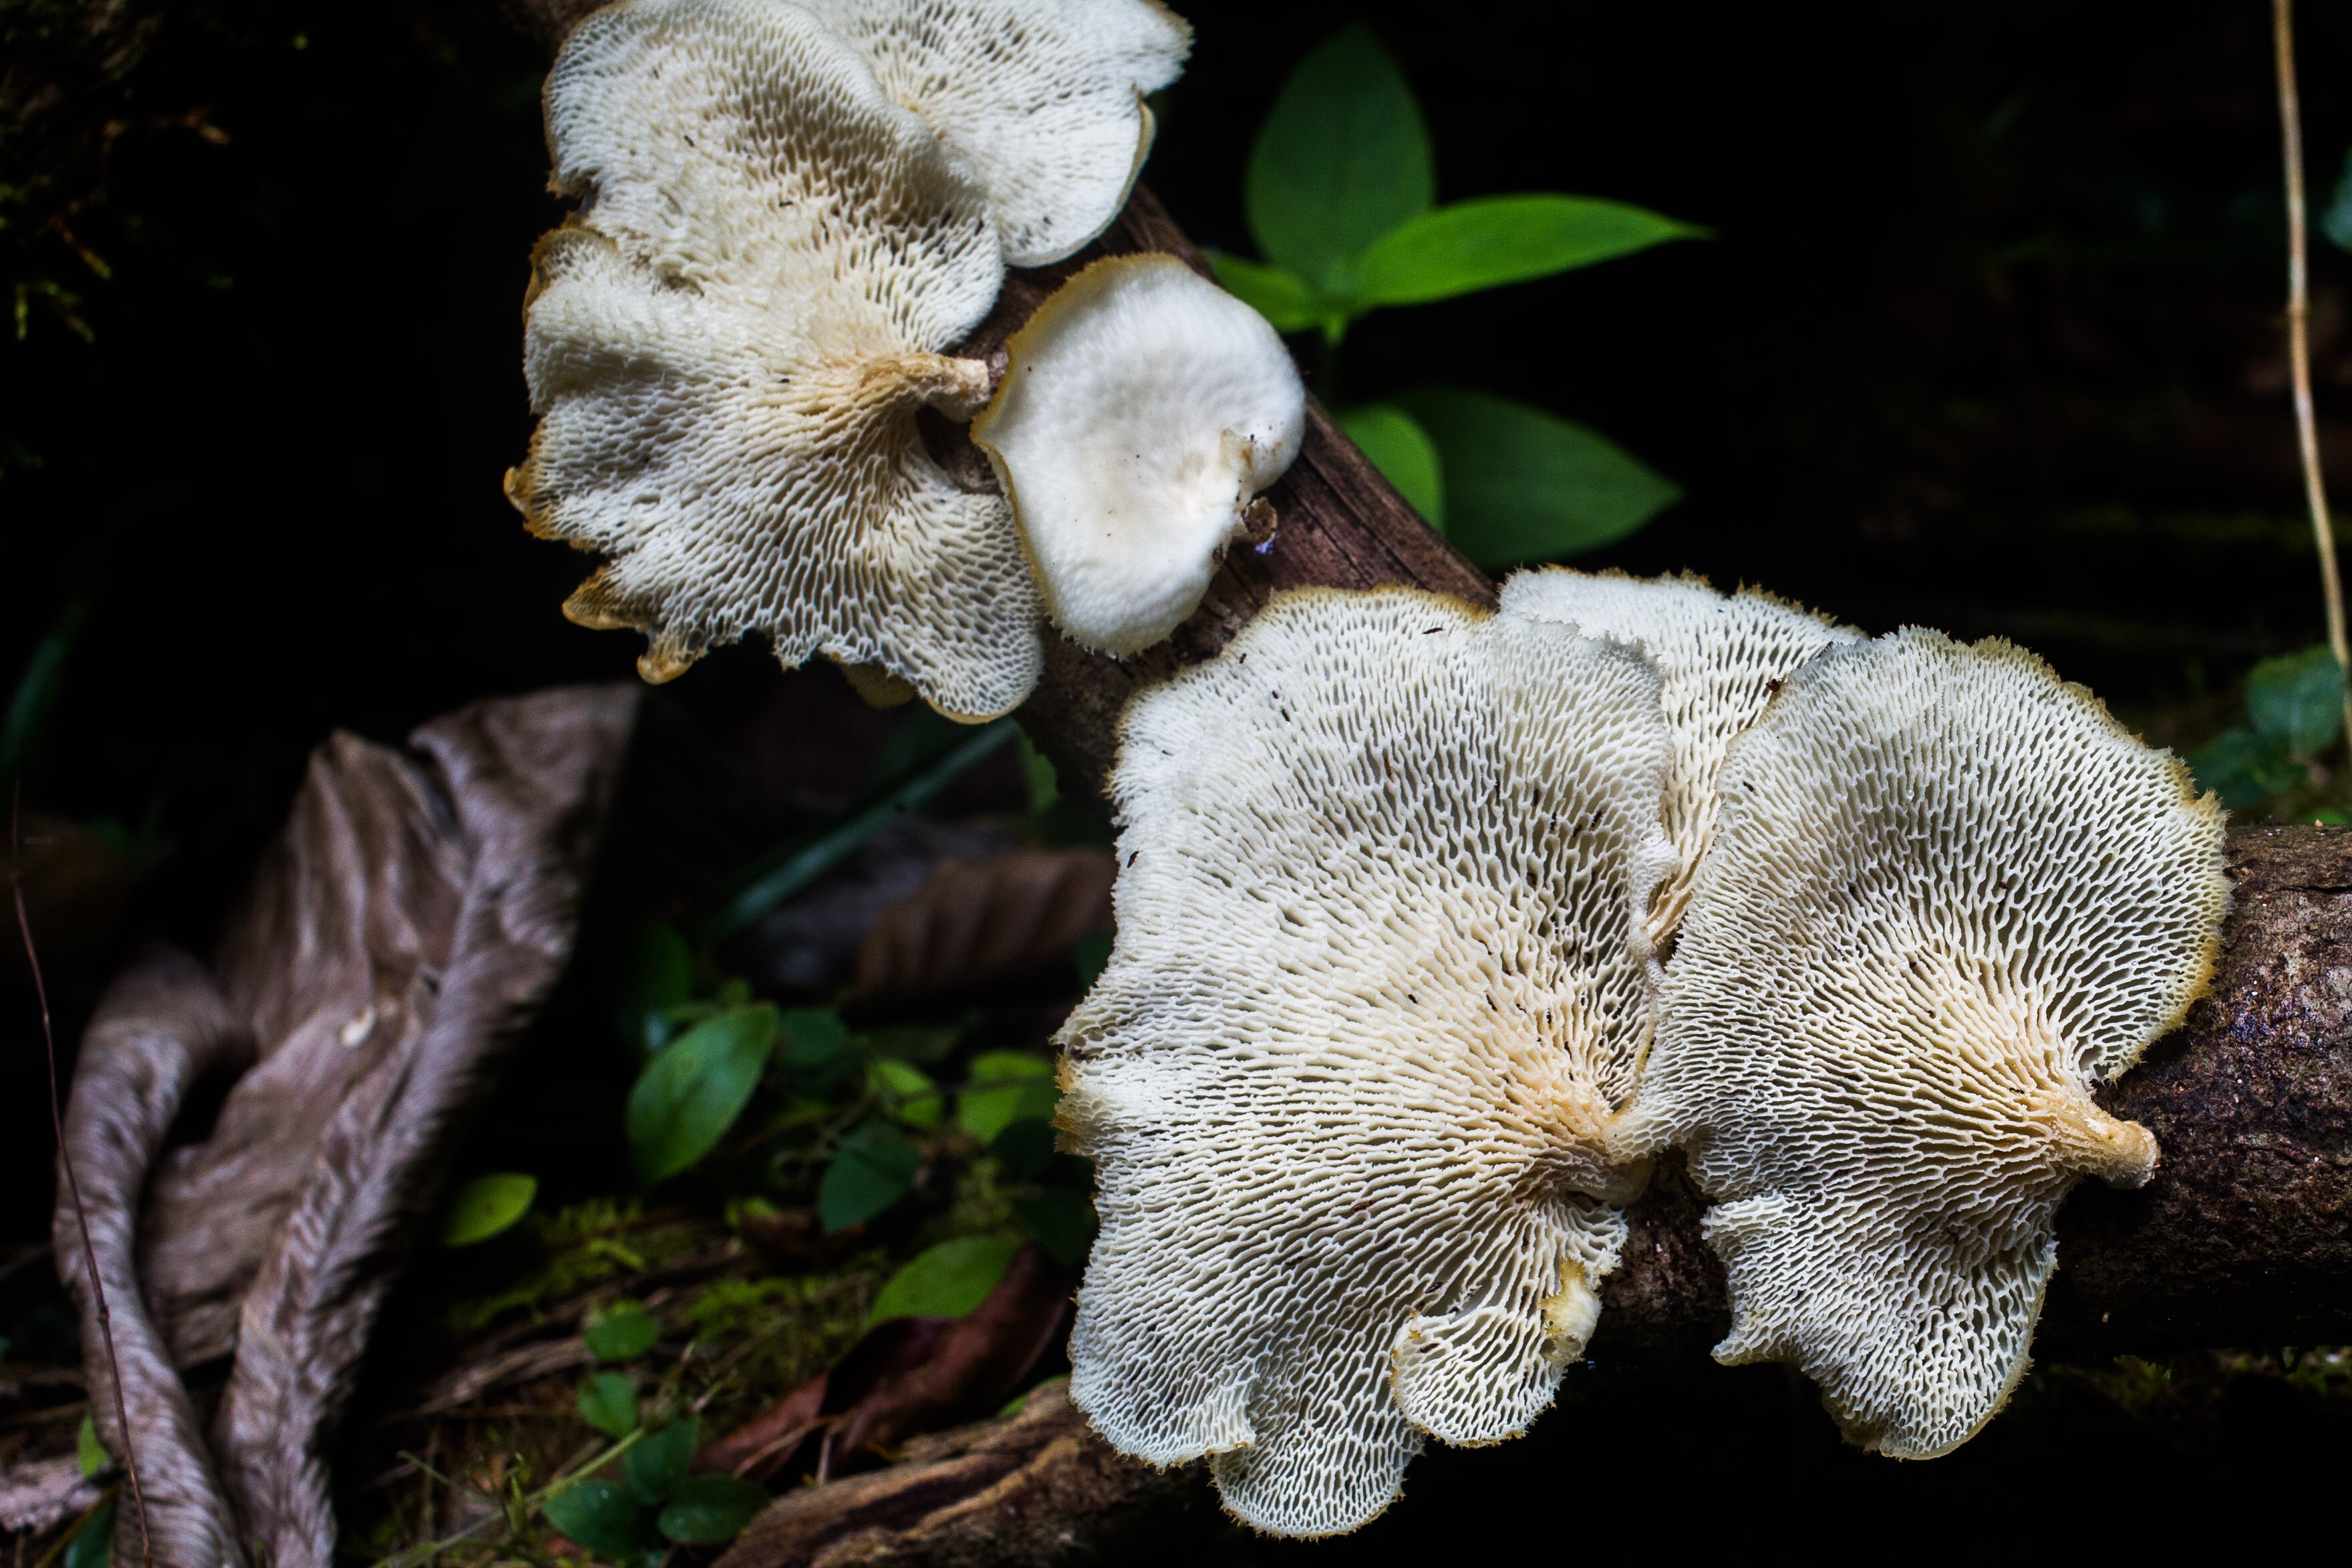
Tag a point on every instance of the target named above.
point(1143, 407)
point(1378, 983)
point(1720, 661)
point(731, 341)
point(1947, 892)
point(1042, 99)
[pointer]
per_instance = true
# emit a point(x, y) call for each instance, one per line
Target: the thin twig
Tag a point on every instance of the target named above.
point(65, 1159)
point(2298, 337)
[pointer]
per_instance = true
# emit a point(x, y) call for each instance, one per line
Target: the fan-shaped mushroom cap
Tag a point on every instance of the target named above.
point(1142, 408)
point(1947, 892)
point(1043, 99)
point(1379, 981)
point(1719, 660)
point(732, 342)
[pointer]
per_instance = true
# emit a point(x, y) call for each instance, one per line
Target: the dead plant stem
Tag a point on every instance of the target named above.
point(2298, 333)
point(65, 1161)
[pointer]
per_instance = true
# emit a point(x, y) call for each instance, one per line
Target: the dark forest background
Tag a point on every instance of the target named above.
point(1989, 339)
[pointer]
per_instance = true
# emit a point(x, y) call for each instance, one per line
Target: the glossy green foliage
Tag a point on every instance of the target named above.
point(691, 1093)
point(873, 1169)
point(660, 1460)
point(1404, 452)
point(2294, 709)
point(602, 1517)
point(608, 1402)
point(1522, 485)
point(1341, 193)
point(708, 1510)
point(487, 1206)
point(622, 1335)
point(1006, 1085)
point(944, 1282)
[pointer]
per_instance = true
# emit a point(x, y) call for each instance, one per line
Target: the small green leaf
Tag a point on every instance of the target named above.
point(1341, 160)
point(1402, 451)
point(1523, 485)
point(708, 1510)
point(1025, 1146)
point(608, 1402)
point(944, 1282)
point(906, 1091)
point(2330, 816)
point(622, 1335)
point(1276, 293)
point(1062, 1220)
point(660, 1460)
point(1093, 955)
point(2246, 767)
point(659, 977)
point(93, 1543)
point(1464, 246)
point(600, 1516)
point(1006, 1085)
point(487, 1206)
point(872, 1170)
point(819, 1050)
point(91, 1453)
point(1044, 786)
point(2299, 700)
point(690, 1095)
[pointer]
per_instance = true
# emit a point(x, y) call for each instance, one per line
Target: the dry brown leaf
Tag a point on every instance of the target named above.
point(397, 938)
point(971, 925)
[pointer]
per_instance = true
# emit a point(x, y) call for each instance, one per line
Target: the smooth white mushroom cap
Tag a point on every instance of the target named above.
point(1948, 893)
point(1379, 982)
point(730, 346)
point(1041, 99)
point(1142, 407)
point(1719, 658)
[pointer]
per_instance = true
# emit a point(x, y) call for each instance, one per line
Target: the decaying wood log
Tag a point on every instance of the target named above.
point(405, 926)
point(2245, 1234)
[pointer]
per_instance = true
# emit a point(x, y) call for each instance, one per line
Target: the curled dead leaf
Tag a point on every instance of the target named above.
point(968, 925)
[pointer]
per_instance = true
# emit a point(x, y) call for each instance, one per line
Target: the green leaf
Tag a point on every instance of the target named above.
point(487, 1206)
point(691, 1093)
point(1092, 955)
point(35, 699)
point(1341, 160)
point(600, 1516)
point(944, 1282)
point(711, 1510)
point(794, 865)
point(1025, 1146)
point(2298, 699)
point(908, 1092)
point(622, 1335)
point(93, 1543)
point(1006, 1085)
point(819, 1050)
point(608, 1402)
point(2330, 816)
point(659, 978)
point(1468, 245)
point(1062, 1220)
point(90, 1451)
point(660, 1460)
point(2246, 766)
point(1045, 785)
point(871, 1171)
point(1403, 451)
point(1523, 485)
point(2336, 223)
point(1276, 293)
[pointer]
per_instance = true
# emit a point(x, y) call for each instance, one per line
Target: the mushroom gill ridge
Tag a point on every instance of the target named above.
point(1947, 895)
point(729, 343)
point(1379, 982)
